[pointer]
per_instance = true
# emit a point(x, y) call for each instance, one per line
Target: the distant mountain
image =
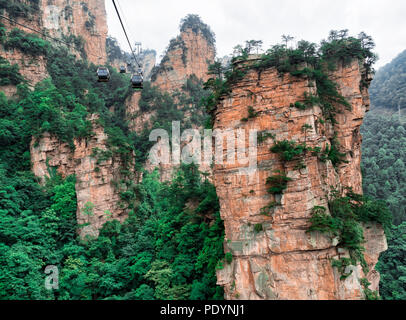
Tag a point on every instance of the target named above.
point(388, 89)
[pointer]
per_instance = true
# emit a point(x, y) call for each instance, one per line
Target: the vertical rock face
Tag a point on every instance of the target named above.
point(189, 54)
point(282, 261)
point(33, 69)
point(98, 197)
point(60, 18)
point(87, 19)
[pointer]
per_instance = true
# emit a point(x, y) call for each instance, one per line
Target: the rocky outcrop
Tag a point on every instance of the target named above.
point(61, 19)
point(98, 196)
point(86, 19)
point(33, 69)
point(189, 54)
point(273, 256)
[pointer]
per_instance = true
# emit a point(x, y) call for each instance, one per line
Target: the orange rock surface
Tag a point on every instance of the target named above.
point(282, 261)
point(87, 19)
point(191, 56)
point(94, 181)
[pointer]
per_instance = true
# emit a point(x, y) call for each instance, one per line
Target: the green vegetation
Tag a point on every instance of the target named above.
point(344, 221)
point(263, 136)
point(369, 294)
point(258, 228)
point(19, 8)
point(383, 168)
point(171, 243)
point(266, 210)
point(193, 21)
point(332, 152)
point(278, 183)
point(26, 42)
point(388, 89)
point(307, 60)
point(289, 150)
point(392, 265)
point(228, 257)
point(384, 158)
point(9, 74)
point(251, 114)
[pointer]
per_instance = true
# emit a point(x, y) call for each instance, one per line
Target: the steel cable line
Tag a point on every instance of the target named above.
point(129, 43)
point(69, 45)
point(131, 36)
point(125, 33)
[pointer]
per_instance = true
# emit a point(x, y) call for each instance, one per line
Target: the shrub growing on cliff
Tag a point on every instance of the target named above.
point(288, 150)
point(311, 61)
point(27, 43)
point(19, 8)
point(346, 215)
point(278, 182)
point(9, 74)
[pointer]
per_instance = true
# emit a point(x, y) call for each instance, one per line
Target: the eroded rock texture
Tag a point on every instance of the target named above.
point(33, 69)
point(97, 190)
point(189, 54)
point(86, 19)
point(282, 261)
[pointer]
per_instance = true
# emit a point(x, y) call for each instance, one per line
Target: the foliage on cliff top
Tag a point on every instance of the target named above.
point(307, 59)
point(194, 22)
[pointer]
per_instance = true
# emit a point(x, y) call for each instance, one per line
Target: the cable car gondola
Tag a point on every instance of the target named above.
point(137, 81)
point(103, 74)
point(122, 69)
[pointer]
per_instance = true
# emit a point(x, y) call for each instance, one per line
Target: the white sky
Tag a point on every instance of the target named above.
point(155, 22)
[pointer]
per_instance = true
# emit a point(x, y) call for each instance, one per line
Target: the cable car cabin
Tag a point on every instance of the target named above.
point(103, 74)
point(137, 81)
point(122, 69)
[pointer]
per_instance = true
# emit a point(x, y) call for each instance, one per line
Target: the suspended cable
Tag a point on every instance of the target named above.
point(125, 32)
point(69, 45)
point(130, 35)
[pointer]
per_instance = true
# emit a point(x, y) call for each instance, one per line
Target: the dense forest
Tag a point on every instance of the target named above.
point(172, 242)
point(383, 167)
point(388, 90)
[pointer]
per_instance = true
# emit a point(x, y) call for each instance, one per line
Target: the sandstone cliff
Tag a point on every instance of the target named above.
point(62, 19)
point(189, 54)
point(97, 177)
point(85, 19)
point(33, 69)
point(280, 260)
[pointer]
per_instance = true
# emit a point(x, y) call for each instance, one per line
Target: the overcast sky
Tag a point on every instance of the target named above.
point(155, 22)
